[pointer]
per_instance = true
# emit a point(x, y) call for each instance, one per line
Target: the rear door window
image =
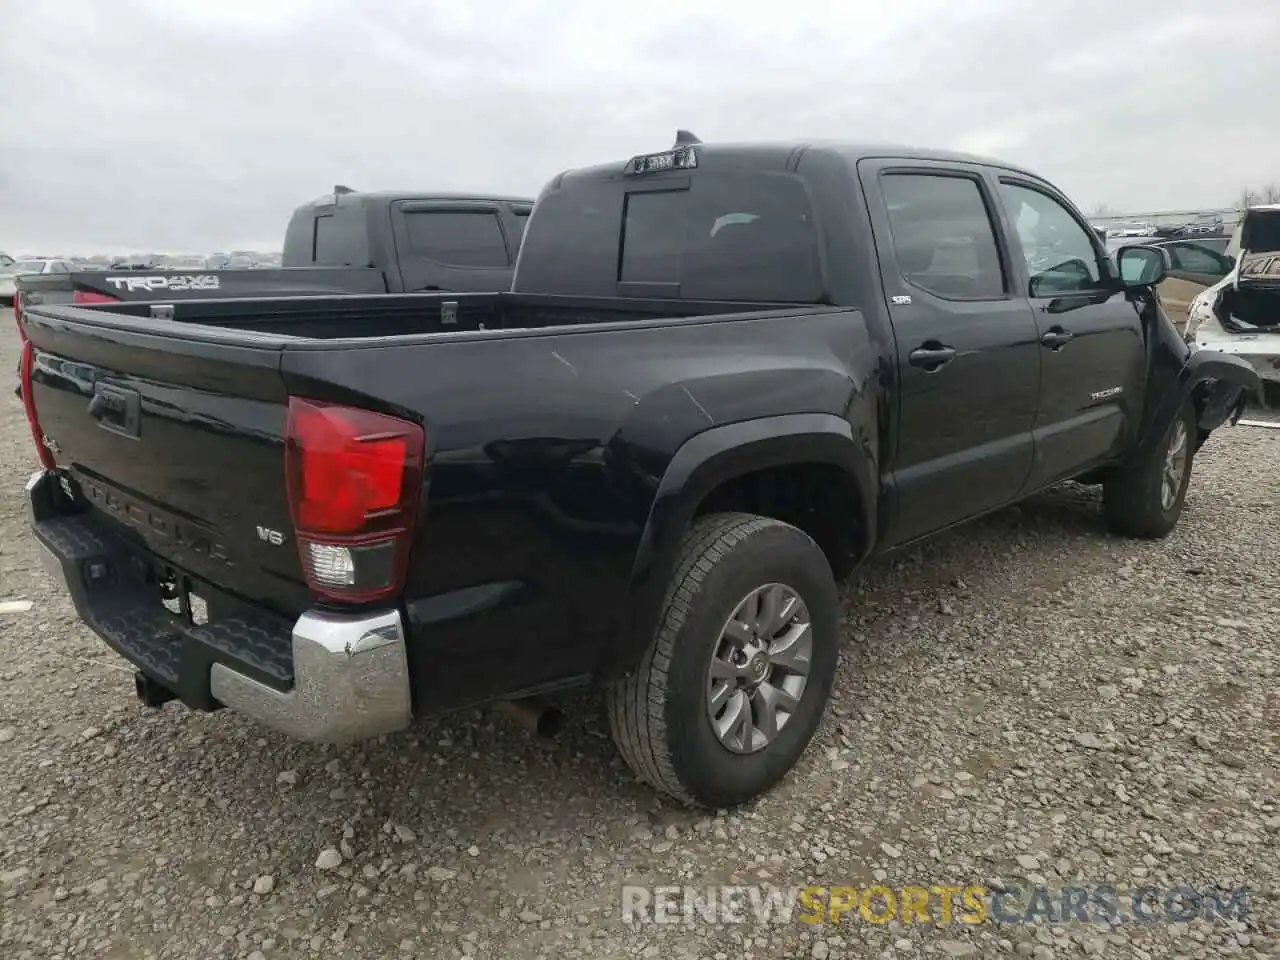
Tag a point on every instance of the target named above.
point(458, 238)
point(943, 237)
point(521, 218)
point(1193, 258)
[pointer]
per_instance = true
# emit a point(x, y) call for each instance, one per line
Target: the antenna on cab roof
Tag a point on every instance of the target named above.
point(684, 137)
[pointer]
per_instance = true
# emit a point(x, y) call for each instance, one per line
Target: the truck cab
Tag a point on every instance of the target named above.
point(424, 241)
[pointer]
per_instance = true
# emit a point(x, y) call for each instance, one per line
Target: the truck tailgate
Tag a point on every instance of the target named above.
point(180, 443)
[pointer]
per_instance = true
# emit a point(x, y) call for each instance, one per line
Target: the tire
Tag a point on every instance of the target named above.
point(1137, 499)
point(659, 715)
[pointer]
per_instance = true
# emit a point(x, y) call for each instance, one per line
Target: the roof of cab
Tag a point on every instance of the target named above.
point(776, 155)
point(385, 196)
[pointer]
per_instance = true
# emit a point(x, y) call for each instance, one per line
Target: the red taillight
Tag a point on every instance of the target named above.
point(88, 296)
point(354, 479)
point(29, 402)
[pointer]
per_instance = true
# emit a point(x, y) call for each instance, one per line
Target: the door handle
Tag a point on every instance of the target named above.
point(1057, 338)
point(931, 355)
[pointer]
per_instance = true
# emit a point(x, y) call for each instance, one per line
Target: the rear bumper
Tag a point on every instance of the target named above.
point(326, 677)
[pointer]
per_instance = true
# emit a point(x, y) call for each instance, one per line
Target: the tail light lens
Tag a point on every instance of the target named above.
point(354, 478)
point(89, 296)
point(29, 402)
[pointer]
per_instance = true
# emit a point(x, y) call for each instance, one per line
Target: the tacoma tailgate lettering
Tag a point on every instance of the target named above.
point(184, 536)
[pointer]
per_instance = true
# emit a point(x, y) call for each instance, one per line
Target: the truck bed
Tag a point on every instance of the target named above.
point(545, 444)
point(392, 315)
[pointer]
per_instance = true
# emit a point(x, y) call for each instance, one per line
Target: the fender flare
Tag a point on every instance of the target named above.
point(715, 456)
point(1224, 380)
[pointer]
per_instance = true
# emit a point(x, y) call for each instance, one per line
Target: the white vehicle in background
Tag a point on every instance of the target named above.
point(1132, 230)
point(25, 268)
point(1240, 314)
point(184, 263)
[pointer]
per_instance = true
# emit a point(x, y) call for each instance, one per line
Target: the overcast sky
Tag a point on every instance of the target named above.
point(200, 124)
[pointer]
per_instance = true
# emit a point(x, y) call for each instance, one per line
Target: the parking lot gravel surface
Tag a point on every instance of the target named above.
point(1023, 701)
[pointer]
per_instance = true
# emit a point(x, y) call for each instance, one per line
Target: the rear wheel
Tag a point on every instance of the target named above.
point(1145, 499)
point(733, 685)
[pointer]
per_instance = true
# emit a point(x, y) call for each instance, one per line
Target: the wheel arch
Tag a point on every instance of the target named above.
point(1217, 384)
point(718, 468)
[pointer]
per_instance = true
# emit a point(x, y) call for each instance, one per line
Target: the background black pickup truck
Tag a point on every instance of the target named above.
point(346, 242)
point(725, 376)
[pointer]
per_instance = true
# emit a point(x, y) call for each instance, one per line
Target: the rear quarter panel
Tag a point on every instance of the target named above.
point(547, 452)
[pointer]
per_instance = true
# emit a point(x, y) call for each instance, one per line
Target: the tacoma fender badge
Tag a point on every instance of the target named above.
point(1107, 393)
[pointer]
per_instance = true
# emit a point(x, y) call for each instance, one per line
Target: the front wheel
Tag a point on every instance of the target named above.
point(733, 686)
point(1145, 499)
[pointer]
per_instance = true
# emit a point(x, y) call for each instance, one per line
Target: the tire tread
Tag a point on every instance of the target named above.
point(1127, 494)
point(636, 703)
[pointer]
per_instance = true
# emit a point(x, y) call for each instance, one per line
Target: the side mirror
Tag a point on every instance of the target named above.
point(1142, 266)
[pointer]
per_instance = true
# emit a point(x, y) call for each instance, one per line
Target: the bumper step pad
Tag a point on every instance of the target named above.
point(115, 593)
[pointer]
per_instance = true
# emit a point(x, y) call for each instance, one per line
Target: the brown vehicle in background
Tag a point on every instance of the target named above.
point(1194, 266)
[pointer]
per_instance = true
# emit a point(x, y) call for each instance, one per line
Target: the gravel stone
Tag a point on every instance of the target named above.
point(1094, 764)
point(264, 885)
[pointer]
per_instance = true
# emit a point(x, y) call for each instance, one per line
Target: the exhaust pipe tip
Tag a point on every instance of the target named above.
point(550, 722)
point(540, 718)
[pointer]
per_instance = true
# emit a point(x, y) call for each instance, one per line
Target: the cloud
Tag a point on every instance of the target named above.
point(195, 124)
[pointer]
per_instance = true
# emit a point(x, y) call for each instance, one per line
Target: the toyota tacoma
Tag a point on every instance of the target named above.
point(724, 377)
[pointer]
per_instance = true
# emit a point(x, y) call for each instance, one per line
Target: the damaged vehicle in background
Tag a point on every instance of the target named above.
point(1240, 314)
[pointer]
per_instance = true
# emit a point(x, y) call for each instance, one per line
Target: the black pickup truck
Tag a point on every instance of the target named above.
point(344, 242)
point(725, 376)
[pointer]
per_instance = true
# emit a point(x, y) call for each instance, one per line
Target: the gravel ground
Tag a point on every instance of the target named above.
point(1027, 699)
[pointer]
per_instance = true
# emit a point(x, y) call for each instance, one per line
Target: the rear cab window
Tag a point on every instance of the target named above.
point(697, 234)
